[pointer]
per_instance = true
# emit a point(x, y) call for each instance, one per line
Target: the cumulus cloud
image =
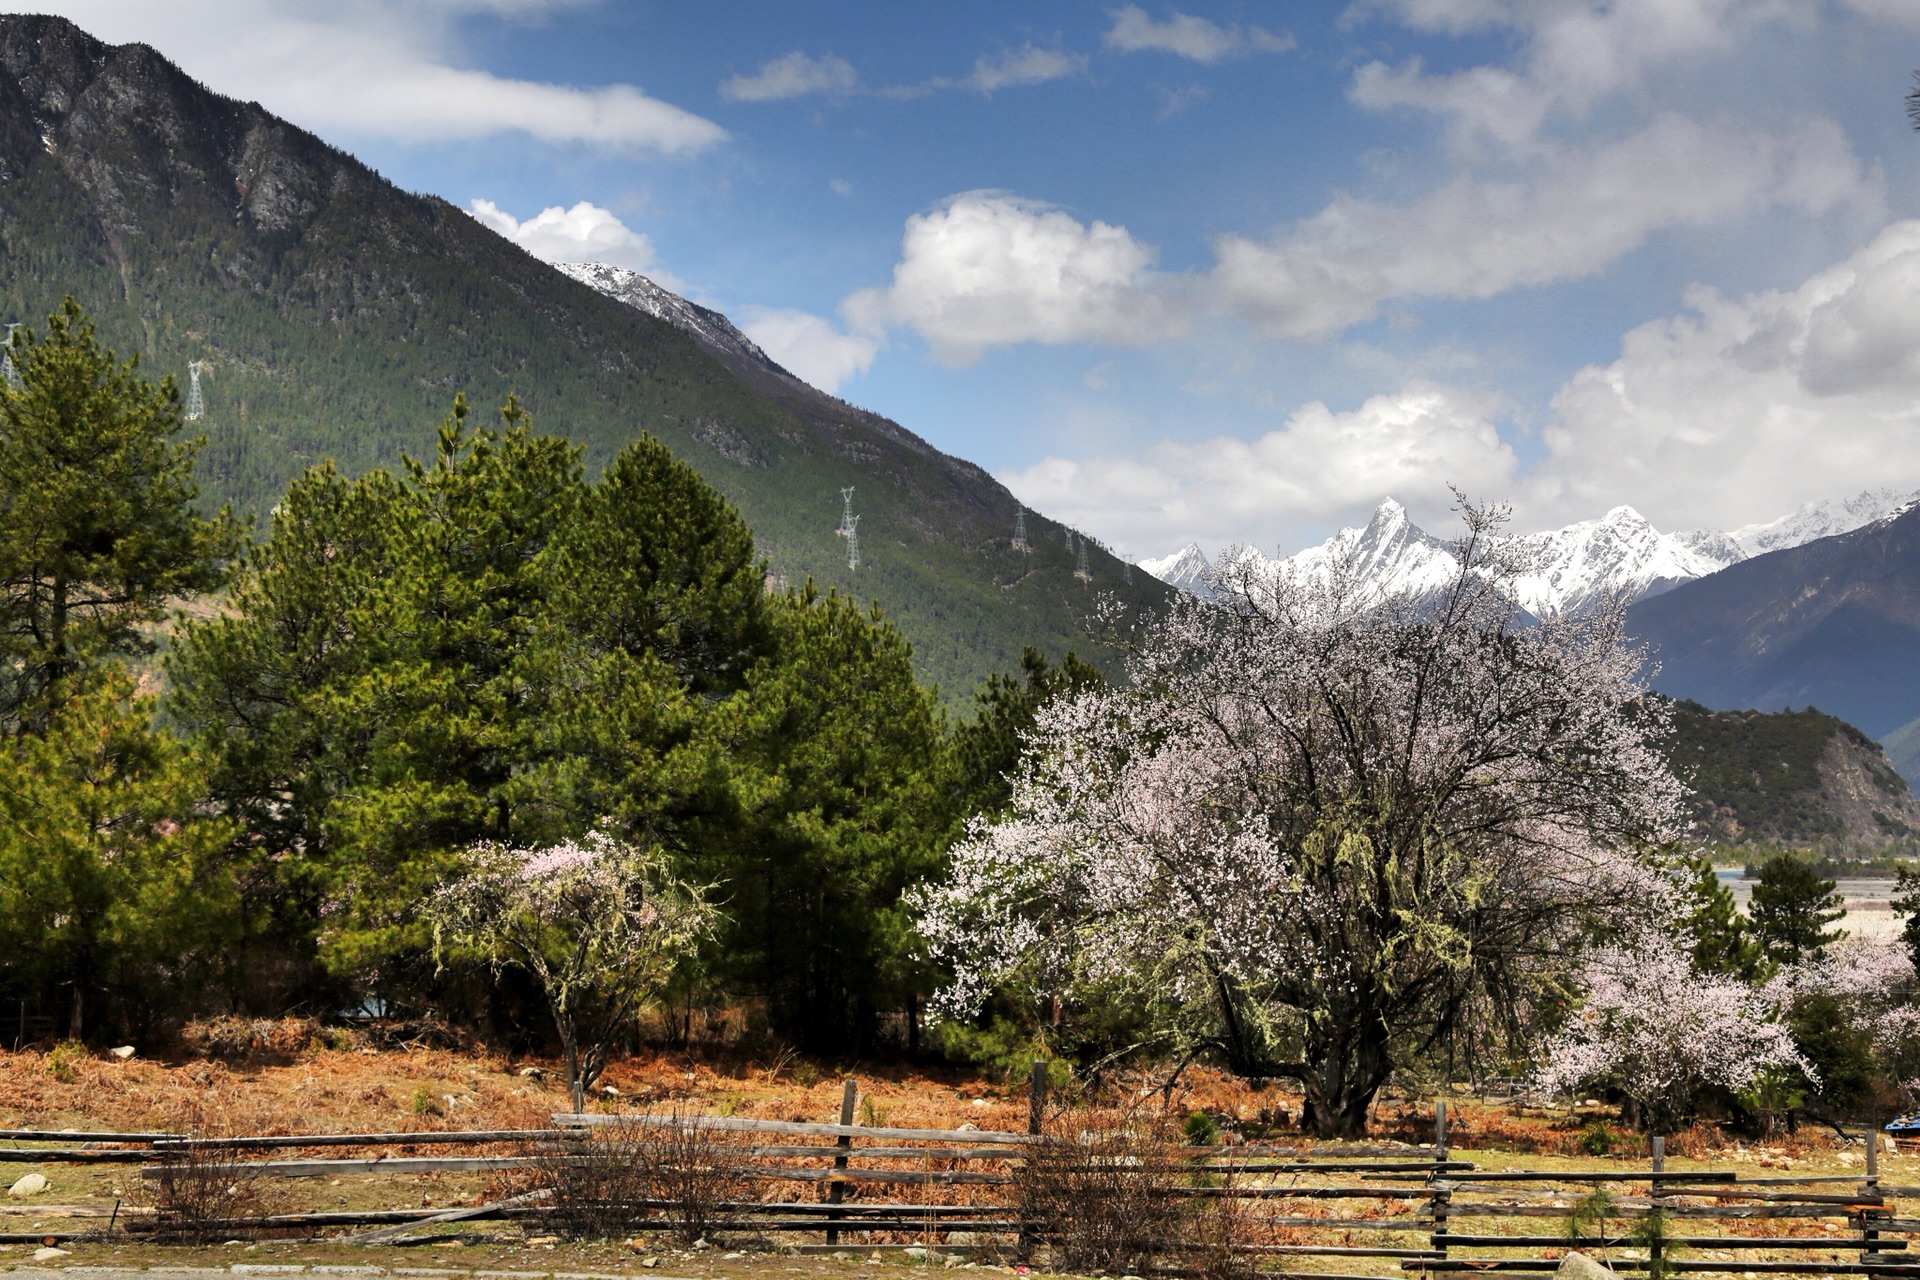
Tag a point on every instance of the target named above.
point(1320, 467)
point(1739, 409)
point(584, 233)
point(988, 268)
point(1187, 36)
point(1562, 218)
point(381, 68)
point(794, 75)
point(810, 346)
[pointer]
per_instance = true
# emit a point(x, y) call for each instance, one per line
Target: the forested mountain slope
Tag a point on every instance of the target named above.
point(1795, 778)
point(1833, 623)
point(340, 315)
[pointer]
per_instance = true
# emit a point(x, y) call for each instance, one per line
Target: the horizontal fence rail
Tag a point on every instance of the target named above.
point(961, 1191)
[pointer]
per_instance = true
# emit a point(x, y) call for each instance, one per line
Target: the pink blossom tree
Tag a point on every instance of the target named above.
point(600, 924)
point(1338, 823)
point(1659, 1032)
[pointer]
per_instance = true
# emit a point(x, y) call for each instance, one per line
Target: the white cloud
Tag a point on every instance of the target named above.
point(987, 269)
point(1187, 36)
point(1026, 65)
point(794, 75)
point(584, 233)
point(1320, 467)
point(1573, 54)
point(1565, 216)
point(1738, 410)
point(383, 68)
point(810, 346)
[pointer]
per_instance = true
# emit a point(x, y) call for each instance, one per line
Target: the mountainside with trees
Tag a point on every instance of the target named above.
point(1795, 778)
point(337, 313)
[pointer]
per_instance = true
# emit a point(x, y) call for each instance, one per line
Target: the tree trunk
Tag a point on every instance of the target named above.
point(1348, 1065)
point(75, 1023)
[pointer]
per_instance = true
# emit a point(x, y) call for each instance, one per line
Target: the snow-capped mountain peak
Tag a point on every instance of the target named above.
point(706, 326)
point(1186, 569)
point(1824, 519)
point(1569, 569)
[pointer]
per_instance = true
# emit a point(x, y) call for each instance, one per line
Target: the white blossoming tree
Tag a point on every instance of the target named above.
point(1337, 823)
point(600, 924)
point(1659, 1032)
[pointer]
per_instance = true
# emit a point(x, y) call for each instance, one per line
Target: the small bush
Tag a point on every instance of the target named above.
point(203, 1191)
point(425, 1104)
point(669, 1169)
point(1200, 1130)
point(1598, 1138)
point(64, 1060)
point(1113, 1202)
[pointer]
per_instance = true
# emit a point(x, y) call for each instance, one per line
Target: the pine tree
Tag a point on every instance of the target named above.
point(1792, 907)
point(98, 531)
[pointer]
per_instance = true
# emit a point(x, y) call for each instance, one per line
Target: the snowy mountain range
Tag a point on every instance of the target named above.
point(1571, 569)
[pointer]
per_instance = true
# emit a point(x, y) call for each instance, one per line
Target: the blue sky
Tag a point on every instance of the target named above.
point(1226, 271)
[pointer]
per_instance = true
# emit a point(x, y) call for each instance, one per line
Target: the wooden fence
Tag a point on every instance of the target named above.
point(828, 1186)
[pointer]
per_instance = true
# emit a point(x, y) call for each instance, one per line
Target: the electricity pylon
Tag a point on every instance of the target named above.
point(7, 371)
point(853, 541)
point(846, 512)
point(1080, 570)
point(1020, 533)
point(196, 403)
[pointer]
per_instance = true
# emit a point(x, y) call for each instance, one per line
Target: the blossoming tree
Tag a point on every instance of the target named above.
point(1337, 822)
point(600, 924)
point(1660, 1032)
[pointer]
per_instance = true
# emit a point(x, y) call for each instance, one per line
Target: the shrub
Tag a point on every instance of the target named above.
point(202, 1191)
point(1200, 1130)
point(1112, 1201)
point(1597, 1138)
point(63, 1059)
point(609, 1181)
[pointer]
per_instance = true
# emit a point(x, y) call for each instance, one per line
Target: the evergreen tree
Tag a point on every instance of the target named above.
point(98, 531)
point(1792, 907)
point(840, 755)
point(1722, 941)
point(113, 882)
point(1906, 904)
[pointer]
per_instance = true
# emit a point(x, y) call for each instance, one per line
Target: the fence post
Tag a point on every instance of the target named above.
point(843, 1144)
point(1036, 1117)
point(1656, 1250)
point(1868, 1236)
point(1443, 1190)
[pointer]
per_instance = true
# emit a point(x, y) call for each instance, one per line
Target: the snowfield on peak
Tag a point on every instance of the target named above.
point(1568, 570)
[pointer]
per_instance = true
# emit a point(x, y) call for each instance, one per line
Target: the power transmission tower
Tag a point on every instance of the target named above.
point(1080, 570)
point(1020, 533)
point(196, 403)
point(846, 512)
point(7, 371)
point(853, 542)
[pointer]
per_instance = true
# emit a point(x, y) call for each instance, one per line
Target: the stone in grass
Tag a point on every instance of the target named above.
point(1578, 1266)
point(49, 1253)
point(31, 1184)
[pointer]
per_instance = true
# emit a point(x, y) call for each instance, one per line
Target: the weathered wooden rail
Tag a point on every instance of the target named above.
point(956, 1190)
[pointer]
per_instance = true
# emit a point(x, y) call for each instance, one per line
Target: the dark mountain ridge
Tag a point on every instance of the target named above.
point(1833, 623)
point(340, 314)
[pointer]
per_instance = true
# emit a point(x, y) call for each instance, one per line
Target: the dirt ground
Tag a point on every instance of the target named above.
point(313, 1088)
